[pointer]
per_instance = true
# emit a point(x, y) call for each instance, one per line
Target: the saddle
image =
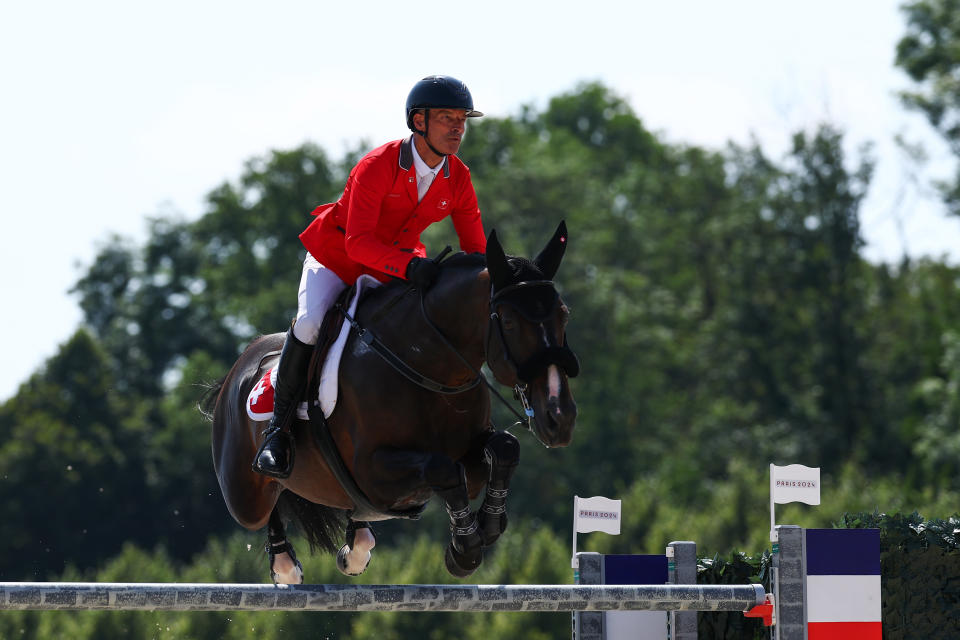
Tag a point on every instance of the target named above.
point(321, 377)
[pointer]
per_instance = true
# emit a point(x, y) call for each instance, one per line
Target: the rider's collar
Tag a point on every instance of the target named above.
point(410, 158)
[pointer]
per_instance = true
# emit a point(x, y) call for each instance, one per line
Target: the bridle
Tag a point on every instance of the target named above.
point(536, 301)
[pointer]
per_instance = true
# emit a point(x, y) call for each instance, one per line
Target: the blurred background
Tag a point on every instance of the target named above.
point(763, 206)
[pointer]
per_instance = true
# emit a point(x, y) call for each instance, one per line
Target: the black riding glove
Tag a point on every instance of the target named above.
point(422, 272)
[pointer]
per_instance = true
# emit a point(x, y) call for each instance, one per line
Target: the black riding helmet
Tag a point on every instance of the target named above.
point(439, 92)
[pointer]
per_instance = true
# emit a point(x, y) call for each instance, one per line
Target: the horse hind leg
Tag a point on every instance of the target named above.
point(502, 453)
point(448, 480)
point(354, 557)
point(284, 566)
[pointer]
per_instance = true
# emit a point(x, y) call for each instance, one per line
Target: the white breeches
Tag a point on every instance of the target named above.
point(319, 288)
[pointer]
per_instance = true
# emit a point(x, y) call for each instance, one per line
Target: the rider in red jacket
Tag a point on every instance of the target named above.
point(393, 194)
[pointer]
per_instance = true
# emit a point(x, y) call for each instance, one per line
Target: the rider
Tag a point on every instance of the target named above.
point(393, 194)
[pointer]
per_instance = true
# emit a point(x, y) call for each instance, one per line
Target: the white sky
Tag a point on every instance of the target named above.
point(114, 111)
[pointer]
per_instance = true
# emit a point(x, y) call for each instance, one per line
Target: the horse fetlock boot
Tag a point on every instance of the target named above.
point(502, 454)
point(276, 454)
point(276, 546)
point(492, 517)
point(465, 551)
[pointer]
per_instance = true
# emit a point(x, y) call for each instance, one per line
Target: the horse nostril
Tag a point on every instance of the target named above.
point(553, 405)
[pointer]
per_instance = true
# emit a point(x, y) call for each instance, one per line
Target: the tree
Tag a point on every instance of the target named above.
point(930, 54)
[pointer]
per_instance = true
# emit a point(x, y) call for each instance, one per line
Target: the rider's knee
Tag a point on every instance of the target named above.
point(306, 328)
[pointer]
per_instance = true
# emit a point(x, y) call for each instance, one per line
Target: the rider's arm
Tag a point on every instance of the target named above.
point(466, 217)
point(370, 185)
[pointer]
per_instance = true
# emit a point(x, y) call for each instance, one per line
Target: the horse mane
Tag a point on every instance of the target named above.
point(523, 268)
point(461, 260)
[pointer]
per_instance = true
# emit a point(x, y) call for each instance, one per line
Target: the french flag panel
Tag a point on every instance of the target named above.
point(843, 584)
point(635, 569)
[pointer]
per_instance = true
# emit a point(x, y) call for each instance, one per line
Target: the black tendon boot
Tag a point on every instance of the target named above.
point(275, 457)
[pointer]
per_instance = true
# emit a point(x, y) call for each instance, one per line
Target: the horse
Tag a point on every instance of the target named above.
point(397, 437)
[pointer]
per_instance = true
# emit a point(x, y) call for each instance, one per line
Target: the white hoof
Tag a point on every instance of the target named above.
point(286, 570)
point(352, 562)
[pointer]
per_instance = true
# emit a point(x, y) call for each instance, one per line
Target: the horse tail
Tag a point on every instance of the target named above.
point(208, 400)
point(322, 526)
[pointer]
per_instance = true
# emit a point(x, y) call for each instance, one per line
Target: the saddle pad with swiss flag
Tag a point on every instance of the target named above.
point(260, 400)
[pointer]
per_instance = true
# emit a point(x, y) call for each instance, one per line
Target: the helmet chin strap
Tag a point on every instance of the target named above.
point(423, 134)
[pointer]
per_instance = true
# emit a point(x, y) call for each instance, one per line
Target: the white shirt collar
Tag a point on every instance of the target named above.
point(420, 166)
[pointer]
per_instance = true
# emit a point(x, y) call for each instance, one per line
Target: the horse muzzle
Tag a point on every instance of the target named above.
point(554, 410)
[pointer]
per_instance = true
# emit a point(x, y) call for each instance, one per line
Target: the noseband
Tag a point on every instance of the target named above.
point(535, 301)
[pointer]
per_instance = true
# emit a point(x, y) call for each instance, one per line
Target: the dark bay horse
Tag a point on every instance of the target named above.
point(406, 432)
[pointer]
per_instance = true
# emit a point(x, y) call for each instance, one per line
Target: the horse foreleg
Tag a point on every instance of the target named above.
point(448, 480)
point(502, 453)
point(353, 557)
point(284, 566)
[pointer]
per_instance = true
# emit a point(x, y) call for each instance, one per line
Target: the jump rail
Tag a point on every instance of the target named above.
point(412, 597)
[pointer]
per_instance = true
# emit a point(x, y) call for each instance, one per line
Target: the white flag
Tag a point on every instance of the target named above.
point(795, 483)
point(596, 514)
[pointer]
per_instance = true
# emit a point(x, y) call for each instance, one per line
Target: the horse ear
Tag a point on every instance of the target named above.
point(549, 259)
point(497, 265)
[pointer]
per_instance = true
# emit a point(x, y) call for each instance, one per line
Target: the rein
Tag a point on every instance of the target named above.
point(370, 339)
point(519, 391)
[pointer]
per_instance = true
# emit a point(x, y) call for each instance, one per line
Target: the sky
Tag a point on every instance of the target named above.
point(113, 112)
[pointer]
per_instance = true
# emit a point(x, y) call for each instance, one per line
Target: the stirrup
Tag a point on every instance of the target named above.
point(271, 433)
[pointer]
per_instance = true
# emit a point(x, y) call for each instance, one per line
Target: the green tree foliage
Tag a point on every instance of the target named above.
point(68, 437)
point(930, 54)
point(720, 303)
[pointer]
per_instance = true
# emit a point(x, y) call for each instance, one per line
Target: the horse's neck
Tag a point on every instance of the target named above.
point(455, 311)
point(458, 306)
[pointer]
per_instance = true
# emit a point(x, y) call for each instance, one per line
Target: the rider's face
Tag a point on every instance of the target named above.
point(446, 129)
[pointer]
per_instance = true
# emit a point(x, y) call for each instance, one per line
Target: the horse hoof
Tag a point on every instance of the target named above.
point(293, 577)
point(460, 565)
point(342, 564)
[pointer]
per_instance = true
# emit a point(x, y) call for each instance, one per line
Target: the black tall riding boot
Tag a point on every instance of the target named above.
point(275, 457)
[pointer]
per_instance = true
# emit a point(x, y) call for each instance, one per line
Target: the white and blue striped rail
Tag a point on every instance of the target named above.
point(409, 597)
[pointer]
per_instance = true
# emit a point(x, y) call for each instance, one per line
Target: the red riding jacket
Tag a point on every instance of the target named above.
point(375, 226)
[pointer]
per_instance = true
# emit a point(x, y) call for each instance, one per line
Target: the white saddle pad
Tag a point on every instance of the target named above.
point(327, 393)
